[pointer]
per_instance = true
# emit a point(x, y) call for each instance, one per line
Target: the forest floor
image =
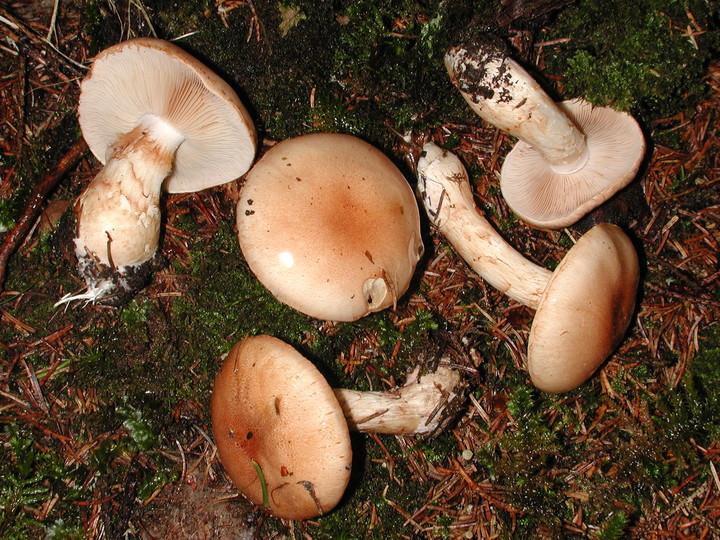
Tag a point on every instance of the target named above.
point(105, 410)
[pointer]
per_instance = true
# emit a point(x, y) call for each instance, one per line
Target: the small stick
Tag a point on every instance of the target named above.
point(30, 213)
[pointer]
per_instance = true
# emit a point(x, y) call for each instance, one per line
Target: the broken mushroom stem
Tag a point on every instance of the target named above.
point(444, 189)
point(420, 407)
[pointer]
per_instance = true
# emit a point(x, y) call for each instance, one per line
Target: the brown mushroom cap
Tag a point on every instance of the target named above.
point(147, 77)
point(585, 309)
point(548, 199)
point(330, 226)
point(270, 406)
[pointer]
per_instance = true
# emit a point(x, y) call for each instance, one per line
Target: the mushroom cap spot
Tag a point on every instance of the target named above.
point(548, 199)
point(585, 309)
point(323, 219)
point(271, 406)
point(147, 77)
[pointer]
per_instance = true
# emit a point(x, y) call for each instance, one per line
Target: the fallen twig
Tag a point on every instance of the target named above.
point(34, 205)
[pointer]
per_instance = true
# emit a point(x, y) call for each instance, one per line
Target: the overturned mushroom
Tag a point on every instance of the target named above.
point(330, 226)
point(154, 116)
point(583, 308)
point(571, 156)
point(282, 433)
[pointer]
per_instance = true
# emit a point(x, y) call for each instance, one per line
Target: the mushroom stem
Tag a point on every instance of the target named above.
point(444, 188)
point(416, 408)
point(501, 92)
point(119, 213)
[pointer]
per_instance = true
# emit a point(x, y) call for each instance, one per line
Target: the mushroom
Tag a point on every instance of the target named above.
point(571, 156)
point(583, 308)
point(154, 116)
point(281, 430)
point(330, 226)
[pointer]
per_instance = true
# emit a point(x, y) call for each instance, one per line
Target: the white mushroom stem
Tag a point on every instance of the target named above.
point(444, 188)
point(500, 91)
point(414, 409)
point(118, 213)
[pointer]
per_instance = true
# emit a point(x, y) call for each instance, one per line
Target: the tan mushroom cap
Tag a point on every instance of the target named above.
point(271, 406)
point(147, 78)
point(549, 199)
point(330, 226)
point(585, 309)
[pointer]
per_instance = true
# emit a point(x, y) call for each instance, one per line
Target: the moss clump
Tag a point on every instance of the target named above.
point(614, 527)
point(225, 302)
point(522, 459)
point(100, 26)
point(377, 488)
point(29, 478)
point(647, 57)
point(10, 207)
point(683, 415)
point(282, 71)
point(37, 157)
point(390, 59)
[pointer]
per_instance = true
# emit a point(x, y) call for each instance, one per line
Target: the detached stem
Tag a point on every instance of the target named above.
point(445, 191)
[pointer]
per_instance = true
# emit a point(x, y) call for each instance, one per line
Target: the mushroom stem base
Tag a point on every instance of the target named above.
point(422, 407)
point(103, 284)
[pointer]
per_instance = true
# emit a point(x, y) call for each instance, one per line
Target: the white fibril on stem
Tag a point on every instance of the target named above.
point(583, 308)
point(570, 157)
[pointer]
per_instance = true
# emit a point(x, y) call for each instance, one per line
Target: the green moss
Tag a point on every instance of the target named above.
point(29, 478)
point(635, 463)
point(374, 486)
point(98, 25)
point(37, 156)
point(635, 57)
point(614, 527)
point(521, 459)
point(682, 415)
point(358, 67)
point(9, 209)
point(391, 52)
point(438, 450)
point(266, 61)
point(226, 303)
